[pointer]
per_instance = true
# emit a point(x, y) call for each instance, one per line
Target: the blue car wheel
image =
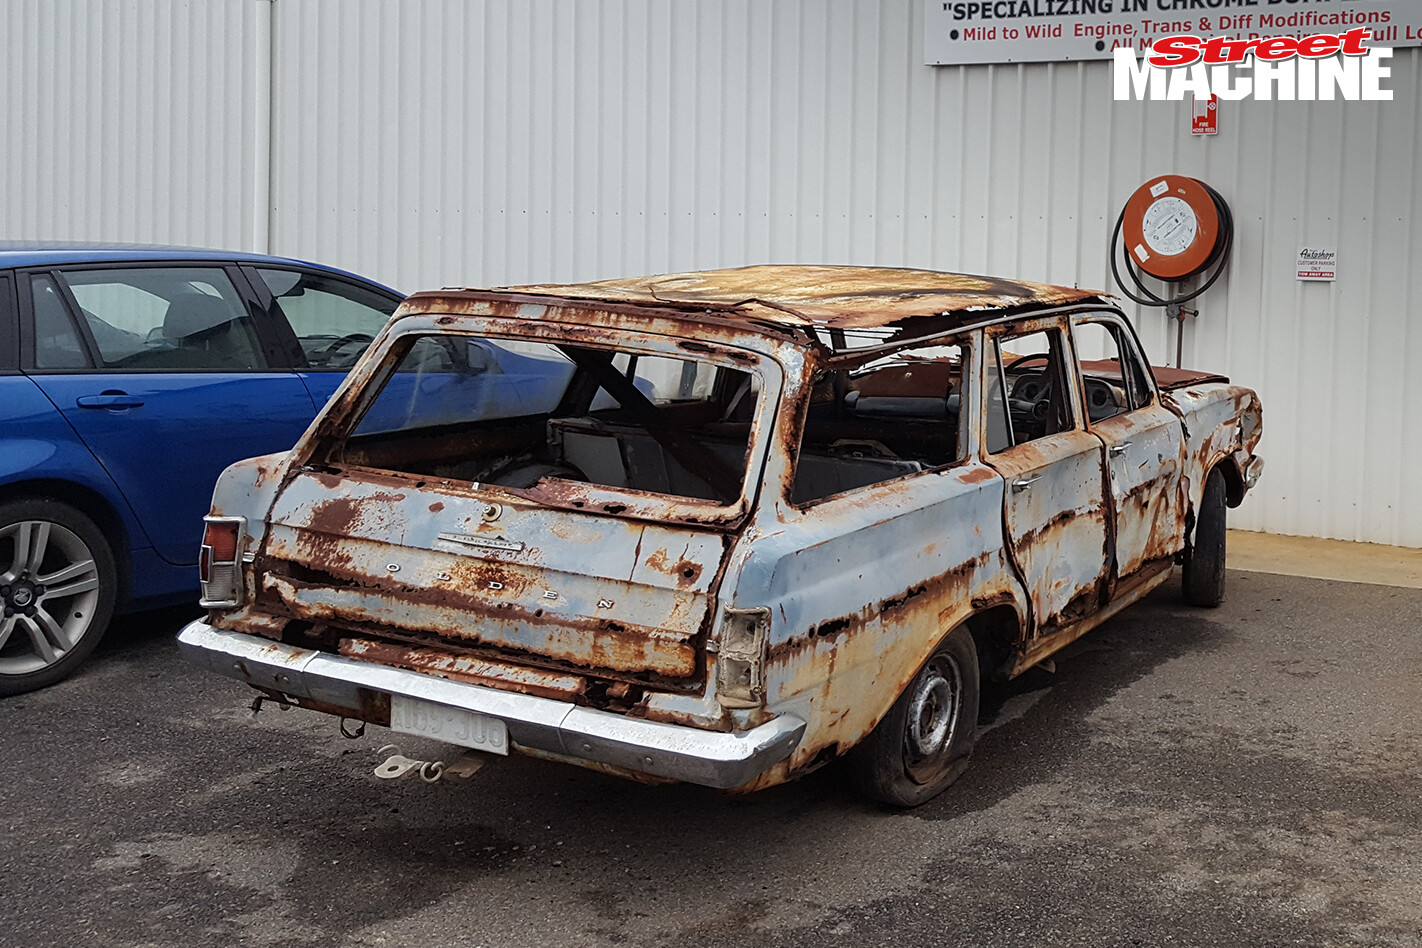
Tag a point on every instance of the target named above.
point(58, 583)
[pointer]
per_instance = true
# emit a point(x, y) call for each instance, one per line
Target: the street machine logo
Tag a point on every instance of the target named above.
point(1284, 68)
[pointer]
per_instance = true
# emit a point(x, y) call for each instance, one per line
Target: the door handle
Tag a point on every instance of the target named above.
point(110, 400)
point(1023, 483)
point(1119, 449)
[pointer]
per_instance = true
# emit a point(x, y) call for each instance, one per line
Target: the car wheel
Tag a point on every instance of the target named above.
point(57, 592)
point(924, 742)
point(1203, 577)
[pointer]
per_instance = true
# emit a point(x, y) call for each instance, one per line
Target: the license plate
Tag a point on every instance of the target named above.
point(452, 725)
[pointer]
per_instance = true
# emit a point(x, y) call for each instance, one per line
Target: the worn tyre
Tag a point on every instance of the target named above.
point(924, 742)
point(58, 583)
point(1203, 579)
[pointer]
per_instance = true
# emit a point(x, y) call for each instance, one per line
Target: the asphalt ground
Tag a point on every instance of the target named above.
point(1250, 775)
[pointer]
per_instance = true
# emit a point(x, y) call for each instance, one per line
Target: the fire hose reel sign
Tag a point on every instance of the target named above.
point(1204, 116)
point(1318, 263)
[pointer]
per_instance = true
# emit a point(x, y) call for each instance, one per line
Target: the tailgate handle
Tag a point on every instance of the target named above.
point(1119, 449)
point(109, 400)
point(1021, 484)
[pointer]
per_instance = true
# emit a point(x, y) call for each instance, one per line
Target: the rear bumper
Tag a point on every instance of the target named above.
point(710, 758)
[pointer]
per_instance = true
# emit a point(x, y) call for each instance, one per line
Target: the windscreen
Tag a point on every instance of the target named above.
point(512, 413)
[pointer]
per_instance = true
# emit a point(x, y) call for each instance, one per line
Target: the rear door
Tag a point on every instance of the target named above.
point(1055, 504)
point(1145, 445)
point(167, 376)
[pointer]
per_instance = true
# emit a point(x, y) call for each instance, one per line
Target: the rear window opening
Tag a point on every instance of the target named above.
point(512, 413)
point(892, 417)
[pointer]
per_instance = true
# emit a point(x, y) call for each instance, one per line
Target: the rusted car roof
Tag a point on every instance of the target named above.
point(831, 296)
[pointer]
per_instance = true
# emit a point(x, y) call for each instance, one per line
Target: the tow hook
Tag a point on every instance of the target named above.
point(397, 765)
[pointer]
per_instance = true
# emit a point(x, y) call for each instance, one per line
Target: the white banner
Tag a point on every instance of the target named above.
point(1018, 31)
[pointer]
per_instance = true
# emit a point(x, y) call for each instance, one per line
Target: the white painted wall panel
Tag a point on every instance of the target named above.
point(435, 142)
point(127, 120)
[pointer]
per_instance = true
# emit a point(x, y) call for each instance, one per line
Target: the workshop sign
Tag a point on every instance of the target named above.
point(1025, 31)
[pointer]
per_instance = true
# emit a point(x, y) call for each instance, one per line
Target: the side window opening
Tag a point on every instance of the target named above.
point(889, 418)
point(1031, 370)
point(525, 412)
point(1112, 378)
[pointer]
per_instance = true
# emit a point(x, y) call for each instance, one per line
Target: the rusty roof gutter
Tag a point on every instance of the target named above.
point(768, 318)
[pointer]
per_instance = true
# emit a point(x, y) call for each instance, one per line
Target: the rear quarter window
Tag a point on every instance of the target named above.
point(893, 417)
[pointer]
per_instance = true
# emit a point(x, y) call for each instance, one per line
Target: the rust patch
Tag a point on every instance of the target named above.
point(898, 602)
point(1058, 520)
point(470, 668)
point(437, 506)
point(684, 571)
point(338, 515)
point(576, 640)
point(978, 475)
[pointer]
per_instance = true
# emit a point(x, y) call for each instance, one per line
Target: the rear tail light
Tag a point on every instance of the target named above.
point(218, 561)
point(740, 664)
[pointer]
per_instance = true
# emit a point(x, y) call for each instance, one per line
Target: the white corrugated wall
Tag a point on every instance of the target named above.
point(431, 143)
point(127, 120)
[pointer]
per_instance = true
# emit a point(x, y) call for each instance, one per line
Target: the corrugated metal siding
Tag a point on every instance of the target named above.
point(127, 120)
point(431, 143)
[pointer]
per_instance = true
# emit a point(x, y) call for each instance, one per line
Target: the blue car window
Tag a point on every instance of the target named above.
point(334, 320)
point(57, 344)
point(172, 318)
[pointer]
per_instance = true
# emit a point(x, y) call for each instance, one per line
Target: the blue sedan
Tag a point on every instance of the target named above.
point(129, 378)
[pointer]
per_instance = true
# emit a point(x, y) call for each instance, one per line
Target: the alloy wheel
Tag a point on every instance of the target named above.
point(49, 594)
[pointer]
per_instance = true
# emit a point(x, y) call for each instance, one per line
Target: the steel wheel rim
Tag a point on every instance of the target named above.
point(935, 706)
point(49, 593)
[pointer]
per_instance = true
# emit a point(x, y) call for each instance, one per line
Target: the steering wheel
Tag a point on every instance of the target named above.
point(1021, 360)
point(328, 354)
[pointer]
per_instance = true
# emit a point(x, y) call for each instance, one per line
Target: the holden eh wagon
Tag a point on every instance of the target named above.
point(776, 516)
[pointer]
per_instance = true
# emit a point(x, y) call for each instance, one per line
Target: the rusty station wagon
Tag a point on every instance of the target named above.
point(759, 519)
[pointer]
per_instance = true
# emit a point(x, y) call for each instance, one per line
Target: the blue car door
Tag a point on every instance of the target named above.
point(166, 375)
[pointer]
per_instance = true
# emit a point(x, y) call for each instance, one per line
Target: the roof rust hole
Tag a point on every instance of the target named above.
point(614, 508)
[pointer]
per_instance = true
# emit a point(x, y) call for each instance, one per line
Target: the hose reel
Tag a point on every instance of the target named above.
point(1176, 228)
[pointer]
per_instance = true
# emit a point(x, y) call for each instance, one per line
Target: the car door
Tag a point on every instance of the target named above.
point(332, 319)
point(1054, 508)
point(167, 376)
point(1145, 444)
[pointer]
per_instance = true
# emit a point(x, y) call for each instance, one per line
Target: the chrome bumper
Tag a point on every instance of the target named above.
point(710, 758)
point(1252, 471)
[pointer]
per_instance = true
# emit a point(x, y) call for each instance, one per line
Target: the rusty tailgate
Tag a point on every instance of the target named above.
point(551, 586)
